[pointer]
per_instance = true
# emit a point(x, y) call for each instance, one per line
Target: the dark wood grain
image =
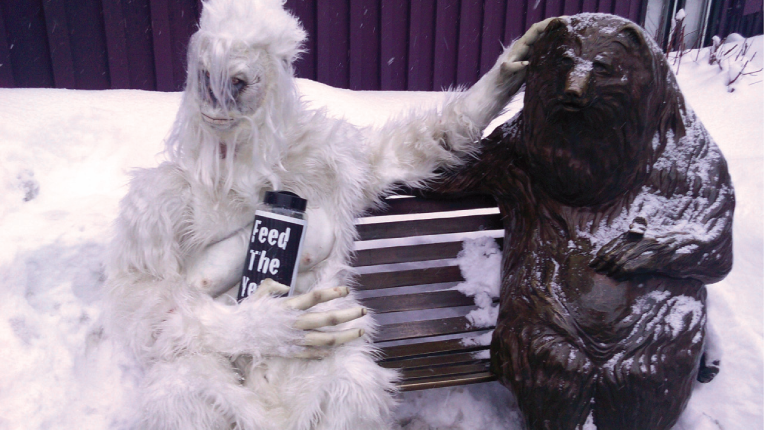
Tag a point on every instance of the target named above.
point(405, 254)
point(421, 45)
point(514, 22)
point(553, 7)
point(403, 278)
point(140, 46)
point(390, 230)
point(452, 370)
point(446, 381)
point(605, 6)
point(494, 12)
point(27, 43)
point(418, 205)
point(422, 349)
point(58, 41)
point(417, 329)
point(161, 37)
point(87, 39)
point(394, 33)
point(418, 301)
point(116, 44)
point(333, 44)
point(589, 6)
point(6, 73)
point(364, 45)
point(305, 11)
point(572, 7)
point(470, 25)
point(434, 360)
point(446, 44)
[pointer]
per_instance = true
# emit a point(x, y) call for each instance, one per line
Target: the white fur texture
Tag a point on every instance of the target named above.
point(213, 365)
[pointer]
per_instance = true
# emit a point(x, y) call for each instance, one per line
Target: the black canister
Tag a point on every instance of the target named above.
point(275, 244)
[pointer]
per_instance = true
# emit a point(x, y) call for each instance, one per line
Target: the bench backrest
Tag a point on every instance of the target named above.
point(407, 272)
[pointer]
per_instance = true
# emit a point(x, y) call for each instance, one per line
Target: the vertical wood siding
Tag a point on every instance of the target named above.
point(357, 44)
point(735, 16)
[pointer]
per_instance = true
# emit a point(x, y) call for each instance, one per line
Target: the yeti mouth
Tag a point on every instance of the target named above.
point(216, 121)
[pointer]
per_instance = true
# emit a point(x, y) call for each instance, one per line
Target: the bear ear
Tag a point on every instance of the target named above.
point(555, 25)
point(632, 37)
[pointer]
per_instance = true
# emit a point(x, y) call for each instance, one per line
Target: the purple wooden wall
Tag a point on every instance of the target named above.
point(358, 44)
point(735, 16)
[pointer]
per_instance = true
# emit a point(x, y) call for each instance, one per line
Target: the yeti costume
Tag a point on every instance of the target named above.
point(182, 232)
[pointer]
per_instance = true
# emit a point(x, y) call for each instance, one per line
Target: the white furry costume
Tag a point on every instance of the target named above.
point(226, 365)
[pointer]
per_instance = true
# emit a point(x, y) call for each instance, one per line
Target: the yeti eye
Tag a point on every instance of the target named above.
point(204, 81)
point(237, 84)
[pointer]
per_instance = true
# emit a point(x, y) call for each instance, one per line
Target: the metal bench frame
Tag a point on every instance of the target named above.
point(430, 353)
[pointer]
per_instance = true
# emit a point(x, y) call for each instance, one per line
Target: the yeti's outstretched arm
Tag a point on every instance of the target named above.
point(409, 150)
point(682, 223)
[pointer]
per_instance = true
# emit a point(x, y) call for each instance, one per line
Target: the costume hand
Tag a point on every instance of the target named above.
point(513, 61)
point(493, 91)
point(315, 342)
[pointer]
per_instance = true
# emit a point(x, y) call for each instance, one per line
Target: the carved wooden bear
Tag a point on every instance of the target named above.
point(617, 210)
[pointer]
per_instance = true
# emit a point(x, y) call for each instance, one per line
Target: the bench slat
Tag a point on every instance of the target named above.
point(429, 364)
point(425, 227)
point(406, 254)
point(410, 253)
point(416, 329)
point(446, 381)
point(459, 369)
point(405, 278)
point(418, 301)
point(420, 349)
point(433, 360)
point(418, 205)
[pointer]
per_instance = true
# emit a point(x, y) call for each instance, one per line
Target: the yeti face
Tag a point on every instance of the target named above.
point(231, 85)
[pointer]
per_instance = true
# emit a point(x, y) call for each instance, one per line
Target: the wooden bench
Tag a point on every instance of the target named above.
point(423, 330)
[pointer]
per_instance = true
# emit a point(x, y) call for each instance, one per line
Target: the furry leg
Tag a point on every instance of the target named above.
point(361, 396)
point(199, 391)
point(345, 391)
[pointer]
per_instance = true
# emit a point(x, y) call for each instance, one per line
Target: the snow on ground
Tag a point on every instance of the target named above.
point(66, 161)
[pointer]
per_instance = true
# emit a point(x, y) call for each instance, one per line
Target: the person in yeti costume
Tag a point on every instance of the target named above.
point(302, 362)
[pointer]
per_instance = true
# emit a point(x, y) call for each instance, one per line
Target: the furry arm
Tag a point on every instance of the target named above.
point(409, 150)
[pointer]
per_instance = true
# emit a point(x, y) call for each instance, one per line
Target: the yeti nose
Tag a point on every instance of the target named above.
point(213, 99)
point(578, 80)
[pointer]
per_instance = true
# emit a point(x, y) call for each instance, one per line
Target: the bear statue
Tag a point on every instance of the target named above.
point(617, 208)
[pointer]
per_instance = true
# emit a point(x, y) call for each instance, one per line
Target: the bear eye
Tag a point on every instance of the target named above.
point(602, 68)
point(566, 62)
